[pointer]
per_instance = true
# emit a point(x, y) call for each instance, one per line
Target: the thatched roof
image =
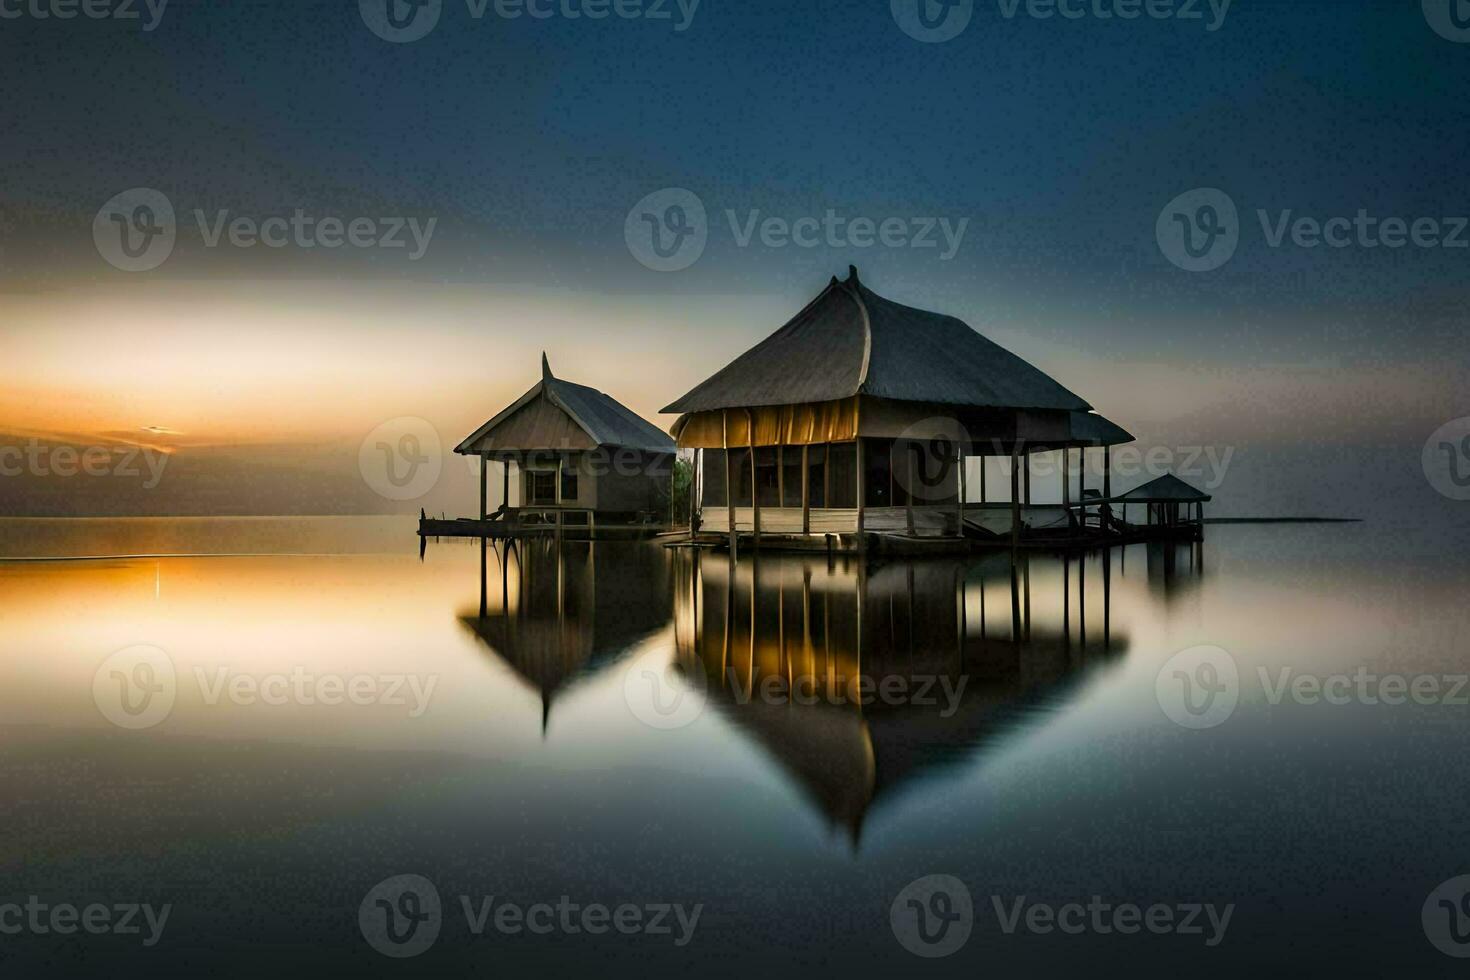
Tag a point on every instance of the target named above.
point(1167, 489)
point(603, 420)
point(1091, 429)
point(851, 341)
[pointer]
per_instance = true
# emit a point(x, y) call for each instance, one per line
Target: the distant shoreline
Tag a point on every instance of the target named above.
point(1283, 520)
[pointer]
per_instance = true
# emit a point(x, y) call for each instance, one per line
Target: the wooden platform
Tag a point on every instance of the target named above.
point(469, 527)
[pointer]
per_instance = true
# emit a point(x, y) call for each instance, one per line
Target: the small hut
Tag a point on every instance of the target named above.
point(573, 456)
point(1172, 505)
point(858, 415)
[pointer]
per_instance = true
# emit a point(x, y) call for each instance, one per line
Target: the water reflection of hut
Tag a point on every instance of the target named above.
point(567, 609)
point(862, 680)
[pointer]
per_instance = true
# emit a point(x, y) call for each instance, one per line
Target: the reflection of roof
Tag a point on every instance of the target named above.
point(573, 609)
point(605, 421)
point(851, 341)
point(1166, 489)
point(899, 620)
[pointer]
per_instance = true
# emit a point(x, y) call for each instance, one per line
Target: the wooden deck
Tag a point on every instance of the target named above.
point(518, 522)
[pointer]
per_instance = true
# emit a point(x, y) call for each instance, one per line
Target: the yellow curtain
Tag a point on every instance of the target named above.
point(775, 425)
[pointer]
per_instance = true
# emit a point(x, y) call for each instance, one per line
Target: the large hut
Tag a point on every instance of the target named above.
point(858, 415)
point(572, 455)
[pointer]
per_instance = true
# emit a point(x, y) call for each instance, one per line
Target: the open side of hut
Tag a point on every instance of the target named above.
point(574, 455)
point(857, 416)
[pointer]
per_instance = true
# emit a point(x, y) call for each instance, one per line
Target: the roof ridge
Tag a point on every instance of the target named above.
point(559, 402)
point(856, 288)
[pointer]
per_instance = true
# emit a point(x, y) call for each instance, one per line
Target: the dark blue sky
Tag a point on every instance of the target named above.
point(530, 140)
point(1059, 141)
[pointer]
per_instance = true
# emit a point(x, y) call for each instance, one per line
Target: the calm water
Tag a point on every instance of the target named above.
point(628, 724)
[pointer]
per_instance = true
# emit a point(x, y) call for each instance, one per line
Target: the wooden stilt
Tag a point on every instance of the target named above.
point(806, 497)
point(484, 491)
point(729, 481)
point(755, 498)
point(1015, 501)
point(960, 494)
point(908, 498)
point(1067, 482)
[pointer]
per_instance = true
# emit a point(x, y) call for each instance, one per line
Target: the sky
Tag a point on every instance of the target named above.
point(1029, 170)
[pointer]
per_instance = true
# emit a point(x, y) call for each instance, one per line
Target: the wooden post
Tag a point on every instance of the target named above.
point(729, 483)
point(960, 495)
point(862, 461)
point(780, 475)
point(1067, 482)
point(484, 490)
point(1028, 479)
point(755, 497)
point(983, 459)
point(505, 485)
point(806, 497)
point(908, 496)
point(1015, 503)
point(827, 476)
point(693, 488)
point(1108, 473)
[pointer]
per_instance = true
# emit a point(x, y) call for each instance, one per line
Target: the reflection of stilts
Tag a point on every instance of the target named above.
point(1107, 599)
point(484, 608)
point(1066, 602)
point(1015, 601)
point(1026, 578)
point(1082, 601)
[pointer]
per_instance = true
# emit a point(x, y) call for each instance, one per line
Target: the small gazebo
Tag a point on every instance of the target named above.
point(575, 456)
point(1171, 503)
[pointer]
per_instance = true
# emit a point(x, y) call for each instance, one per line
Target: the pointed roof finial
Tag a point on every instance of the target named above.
point(852, 278)
point(545, 368)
